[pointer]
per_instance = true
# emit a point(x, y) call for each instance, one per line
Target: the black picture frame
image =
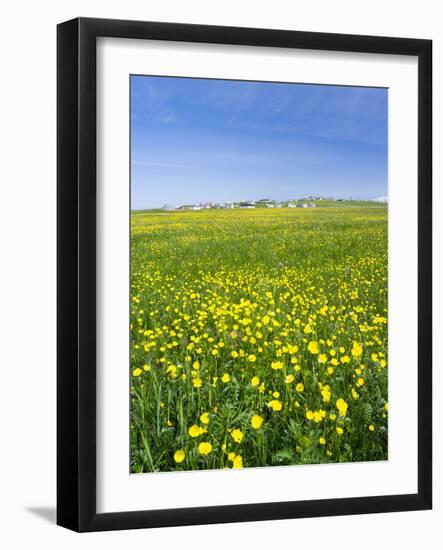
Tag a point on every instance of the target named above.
point(76, 267)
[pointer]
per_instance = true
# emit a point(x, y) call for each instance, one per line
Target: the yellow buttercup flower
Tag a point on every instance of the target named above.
point(237, 462)
point(342, 406)
point(326, 394)
point(292, 349)
point(313, 347)
point(204, 448)
point(179, 456)
point(299, 387)
point(275, 405)
point(319, 415)
point(204, 418)
point(137, 372)
point(195, 431)
point(255, 381)
point(356, 350)
point(225, 378)
point(277, 365)
point(256, 421)
point(237, 435)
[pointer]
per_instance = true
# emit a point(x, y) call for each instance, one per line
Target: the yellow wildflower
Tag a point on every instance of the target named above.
point(195, 431)
point(342, 406)
point(256, 421)
point(275, 405)
point(179, 456)
point(237, 435)
point(204, 418)
point(204, 448)
point(356, 350)
point(255, 381)
point(237, 462)
point(313, 347)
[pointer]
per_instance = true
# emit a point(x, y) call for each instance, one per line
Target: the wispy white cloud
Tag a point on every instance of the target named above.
point(167, 118)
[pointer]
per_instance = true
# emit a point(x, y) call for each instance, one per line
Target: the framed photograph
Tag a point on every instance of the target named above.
point(244, 274)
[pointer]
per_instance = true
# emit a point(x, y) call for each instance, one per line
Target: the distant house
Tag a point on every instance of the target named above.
point(246, 204)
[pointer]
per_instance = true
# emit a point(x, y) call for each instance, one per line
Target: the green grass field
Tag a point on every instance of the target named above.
point(258, 337)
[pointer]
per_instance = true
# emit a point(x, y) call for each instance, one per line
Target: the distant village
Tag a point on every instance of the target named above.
point(262, 203)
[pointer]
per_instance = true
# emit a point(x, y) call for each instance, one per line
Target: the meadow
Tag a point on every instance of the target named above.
point(258, 337)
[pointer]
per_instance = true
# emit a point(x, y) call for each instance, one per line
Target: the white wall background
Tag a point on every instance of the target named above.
point(27, 273)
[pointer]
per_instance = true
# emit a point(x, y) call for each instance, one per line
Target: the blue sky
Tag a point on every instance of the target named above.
point(199, 140)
